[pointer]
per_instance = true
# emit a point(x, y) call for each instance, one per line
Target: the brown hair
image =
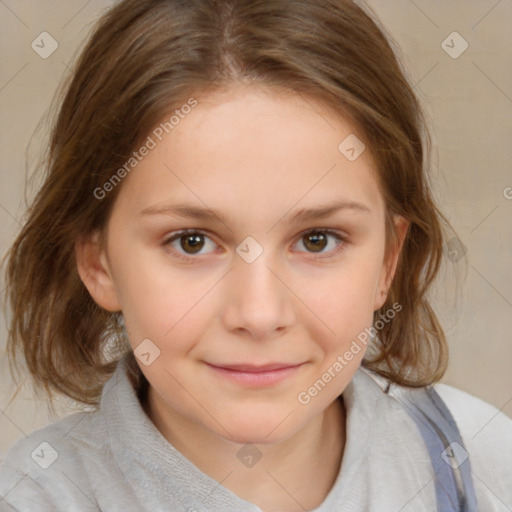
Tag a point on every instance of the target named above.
point(143, 59)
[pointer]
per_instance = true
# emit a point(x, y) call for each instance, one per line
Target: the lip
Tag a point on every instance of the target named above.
point(256, 375)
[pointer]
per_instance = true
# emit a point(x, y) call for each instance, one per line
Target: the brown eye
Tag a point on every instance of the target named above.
point(318, 240)
point(192, 243)
point(315, 241)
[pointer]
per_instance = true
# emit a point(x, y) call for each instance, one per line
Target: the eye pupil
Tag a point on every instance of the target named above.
point(196, 242)
point(318, 241)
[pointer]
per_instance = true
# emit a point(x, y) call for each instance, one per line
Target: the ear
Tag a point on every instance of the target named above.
point(93, 269)
point(390, 264)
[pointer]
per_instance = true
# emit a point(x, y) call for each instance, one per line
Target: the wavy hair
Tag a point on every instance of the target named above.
point(142, 59)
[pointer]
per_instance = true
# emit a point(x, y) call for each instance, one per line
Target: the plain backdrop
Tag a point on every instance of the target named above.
point(468, 98)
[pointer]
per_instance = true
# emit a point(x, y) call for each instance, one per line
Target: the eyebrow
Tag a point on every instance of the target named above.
point(208, 214)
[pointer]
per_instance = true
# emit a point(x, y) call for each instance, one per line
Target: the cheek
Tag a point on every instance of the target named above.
point(345, 303)
point(163, 301)
point(160, 302)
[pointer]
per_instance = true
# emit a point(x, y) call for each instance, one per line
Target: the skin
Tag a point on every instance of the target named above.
point(258, 157)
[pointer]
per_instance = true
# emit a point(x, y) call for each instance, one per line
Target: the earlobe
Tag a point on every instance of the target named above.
point(390, 266)
point(94, 271)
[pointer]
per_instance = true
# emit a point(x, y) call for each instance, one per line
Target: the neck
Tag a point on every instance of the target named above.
point(296, 474)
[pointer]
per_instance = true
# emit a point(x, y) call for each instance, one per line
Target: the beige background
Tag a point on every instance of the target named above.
point(469, 101)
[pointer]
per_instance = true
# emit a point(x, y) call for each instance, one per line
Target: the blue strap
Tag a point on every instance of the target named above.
point(450, 460)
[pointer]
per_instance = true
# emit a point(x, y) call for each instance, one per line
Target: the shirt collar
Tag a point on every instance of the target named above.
point(133, 434)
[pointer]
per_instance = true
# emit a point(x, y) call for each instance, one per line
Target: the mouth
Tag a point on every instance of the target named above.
point(256, 375)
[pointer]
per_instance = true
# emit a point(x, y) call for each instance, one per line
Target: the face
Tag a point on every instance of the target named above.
point(240, 316)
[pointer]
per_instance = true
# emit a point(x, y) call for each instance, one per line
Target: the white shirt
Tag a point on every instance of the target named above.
point(115, 459)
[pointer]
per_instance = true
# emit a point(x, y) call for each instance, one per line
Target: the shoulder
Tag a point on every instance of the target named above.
point(487, 435)
point(474, 416)
point(485, 430)
point(38, 471)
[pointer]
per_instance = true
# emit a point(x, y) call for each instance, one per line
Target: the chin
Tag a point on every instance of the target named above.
point(260, 437)
point(260, 428)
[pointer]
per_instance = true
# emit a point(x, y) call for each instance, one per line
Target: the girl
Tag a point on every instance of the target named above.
point(229, 259)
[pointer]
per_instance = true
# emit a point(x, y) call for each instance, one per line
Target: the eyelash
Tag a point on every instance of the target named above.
point(342, 238)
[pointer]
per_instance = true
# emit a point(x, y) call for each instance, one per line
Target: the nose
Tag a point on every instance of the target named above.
point(258, 300)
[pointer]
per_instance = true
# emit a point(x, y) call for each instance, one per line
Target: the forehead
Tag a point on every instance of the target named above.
point(253, 150)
